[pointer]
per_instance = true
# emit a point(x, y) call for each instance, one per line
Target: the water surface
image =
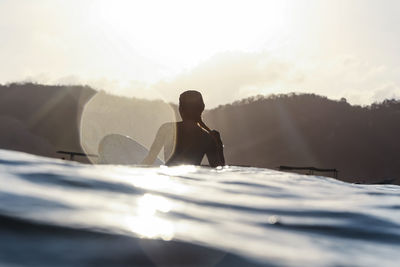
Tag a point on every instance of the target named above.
point(59, 213)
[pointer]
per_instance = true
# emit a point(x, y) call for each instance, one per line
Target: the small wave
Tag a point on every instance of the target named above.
point(69, 181)
point(54, 245)
point(348, 232)
point(25, 204)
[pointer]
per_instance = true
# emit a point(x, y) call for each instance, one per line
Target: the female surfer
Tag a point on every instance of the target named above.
point(187, 141)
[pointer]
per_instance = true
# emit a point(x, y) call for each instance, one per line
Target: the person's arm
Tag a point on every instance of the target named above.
point(215, 158)
point(220, 147)
point(156, 146)
point(215, 155)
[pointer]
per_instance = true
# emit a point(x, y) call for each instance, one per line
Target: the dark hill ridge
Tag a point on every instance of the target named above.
point(293, 129)
point(310, 130)
point(47, 117)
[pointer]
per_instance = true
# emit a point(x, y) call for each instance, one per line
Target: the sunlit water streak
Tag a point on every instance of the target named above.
point(61, 213)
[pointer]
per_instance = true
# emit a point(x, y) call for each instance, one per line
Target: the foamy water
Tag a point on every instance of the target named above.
point(59, 213)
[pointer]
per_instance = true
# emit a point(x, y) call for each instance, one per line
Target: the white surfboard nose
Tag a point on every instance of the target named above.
point(122, 150)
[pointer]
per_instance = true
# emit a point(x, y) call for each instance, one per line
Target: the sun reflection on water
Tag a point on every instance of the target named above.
point(154, 181)
point(147, 223)
point(178, 170)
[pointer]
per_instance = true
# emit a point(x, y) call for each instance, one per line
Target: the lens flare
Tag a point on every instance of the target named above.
point(106, 114)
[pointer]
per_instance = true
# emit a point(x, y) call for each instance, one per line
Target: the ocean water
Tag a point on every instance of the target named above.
point(60, 213)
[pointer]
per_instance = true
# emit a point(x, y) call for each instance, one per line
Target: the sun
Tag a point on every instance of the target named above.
point(180, 34)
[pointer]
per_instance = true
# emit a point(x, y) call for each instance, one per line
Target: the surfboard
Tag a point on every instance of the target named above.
point(122, 150)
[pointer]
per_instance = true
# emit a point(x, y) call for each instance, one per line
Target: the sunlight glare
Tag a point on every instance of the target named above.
point(149, 204)
point(183, 33)
point(159, 182)
point(147, 224)
point(178, 170)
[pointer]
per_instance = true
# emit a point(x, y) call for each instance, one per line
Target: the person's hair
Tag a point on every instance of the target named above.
point(191, 105)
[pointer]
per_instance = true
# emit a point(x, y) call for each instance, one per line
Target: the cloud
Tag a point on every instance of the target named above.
point(234, 75)
point(388, 91)
point(352, 77)
point(228, 76)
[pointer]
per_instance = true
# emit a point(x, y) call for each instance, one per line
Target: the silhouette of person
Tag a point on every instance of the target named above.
point(187, 141)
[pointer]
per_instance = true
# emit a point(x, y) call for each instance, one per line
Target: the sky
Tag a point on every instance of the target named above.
point(228, 50)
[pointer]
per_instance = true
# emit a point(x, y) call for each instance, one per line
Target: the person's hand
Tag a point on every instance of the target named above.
point(203, 125)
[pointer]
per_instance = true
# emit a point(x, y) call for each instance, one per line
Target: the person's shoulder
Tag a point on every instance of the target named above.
point(206, 135)
point(215, 138)
point(167, 127)
point(215, 134)
point(211, 134)
point(203, 131)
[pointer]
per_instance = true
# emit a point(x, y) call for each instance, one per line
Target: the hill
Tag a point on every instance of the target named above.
point(292, 129)
point(311, 130)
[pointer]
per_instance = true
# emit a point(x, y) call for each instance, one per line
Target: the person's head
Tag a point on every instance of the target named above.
point(191, 105)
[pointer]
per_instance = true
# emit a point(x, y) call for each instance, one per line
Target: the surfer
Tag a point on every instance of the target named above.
point(187, 141)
